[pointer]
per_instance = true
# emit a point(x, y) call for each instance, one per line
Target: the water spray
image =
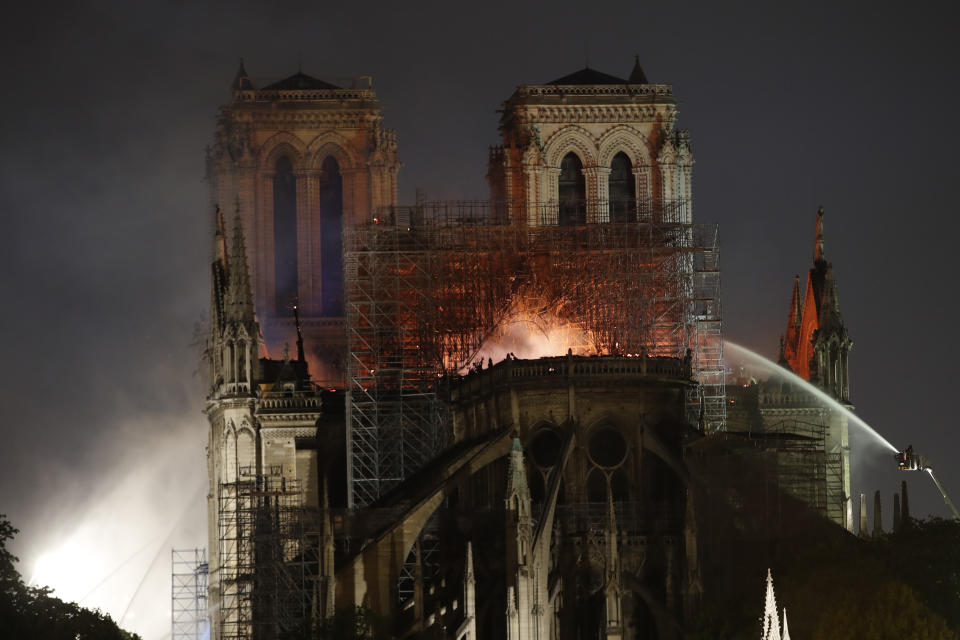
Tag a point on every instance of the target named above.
point(907, 460)
point(776, 369)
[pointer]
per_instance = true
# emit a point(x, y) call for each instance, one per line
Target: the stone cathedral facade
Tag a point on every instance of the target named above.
point(555, 499)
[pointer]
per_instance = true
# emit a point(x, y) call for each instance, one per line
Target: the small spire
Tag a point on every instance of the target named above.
point(786, 631)
point(468, 570)
point(518, 490)
point(637, 76)
point(612, 590)
point(241, 81)
point(240, 297)
point(771, 622)
point(818, 255)
point(296, 317)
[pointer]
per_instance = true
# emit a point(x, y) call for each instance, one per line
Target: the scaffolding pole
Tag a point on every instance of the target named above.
point(189, 573)
point(427, 287)
point(267, 567)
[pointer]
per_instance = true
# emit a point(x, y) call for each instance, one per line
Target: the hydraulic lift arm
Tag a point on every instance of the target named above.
point(909, 461)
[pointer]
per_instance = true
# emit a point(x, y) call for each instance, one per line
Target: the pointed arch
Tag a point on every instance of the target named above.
point(331, 144)
point(625, 139)
point(571, 139)
point(571, 191)
point(246, 451)
point(280, 144)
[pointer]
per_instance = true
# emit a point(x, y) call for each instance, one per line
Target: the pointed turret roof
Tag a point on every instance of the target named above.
point(239, 296)
point(637, 76)
point(241, 81)
point(219, 280)
point(796, 306)
point(517, 497)
point(300, 82)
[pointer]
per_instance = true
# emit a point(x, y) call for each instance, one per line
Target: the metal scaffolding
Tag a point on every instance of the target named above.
point(267, 568)
point(189, 573)
point(805, 469)
point(430, 287)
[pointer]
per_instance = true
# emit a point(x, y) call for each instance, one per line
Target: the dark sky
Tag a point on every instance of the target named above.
point(107, 108)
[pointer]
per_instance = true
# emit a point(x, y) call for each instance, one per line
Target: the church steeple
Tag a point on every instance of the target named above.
point(816, 342)
point(830, 341)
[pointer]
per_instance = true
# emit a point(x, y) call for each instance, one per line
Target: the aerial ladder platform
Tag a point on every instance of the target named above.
point(907, 460)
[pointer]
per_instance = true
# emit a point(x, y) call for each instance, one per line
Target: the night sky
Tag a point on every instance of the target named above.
point(107, 109)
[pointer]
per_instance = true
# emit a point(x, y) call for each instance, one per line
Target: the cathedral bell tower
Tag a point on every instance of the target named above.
point(303, 160)
point(591, 147)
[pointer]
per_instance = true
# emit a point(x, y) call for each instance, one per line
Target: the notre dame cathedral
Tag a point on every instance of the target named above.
point(482, 419)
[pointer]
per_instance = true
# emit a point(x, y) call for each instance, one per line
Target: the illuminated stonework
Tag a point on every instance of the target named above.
point(300, 160)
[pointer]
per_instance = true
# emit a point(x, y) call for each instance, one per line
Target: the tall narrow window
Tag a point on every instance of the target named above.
point(623, 190)
point(572, 190)
point(285, 237)
point(331, 237)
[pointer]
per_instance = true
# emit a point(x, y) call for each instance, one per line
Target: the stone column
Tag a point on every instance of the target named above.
point(598, 194)
point(641, 181)
point(541, 199)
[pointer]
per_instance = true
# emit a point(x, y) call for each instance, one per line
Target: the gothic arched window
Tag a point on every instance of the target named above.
point(623, 190)
point(331, 237)
point(596, 486)
point(572, 191)
point(285, 236)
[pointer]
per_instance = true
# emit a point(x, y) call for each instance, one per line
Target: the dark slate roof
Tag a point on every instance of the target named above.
point(300, 82)
point(588, 76)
